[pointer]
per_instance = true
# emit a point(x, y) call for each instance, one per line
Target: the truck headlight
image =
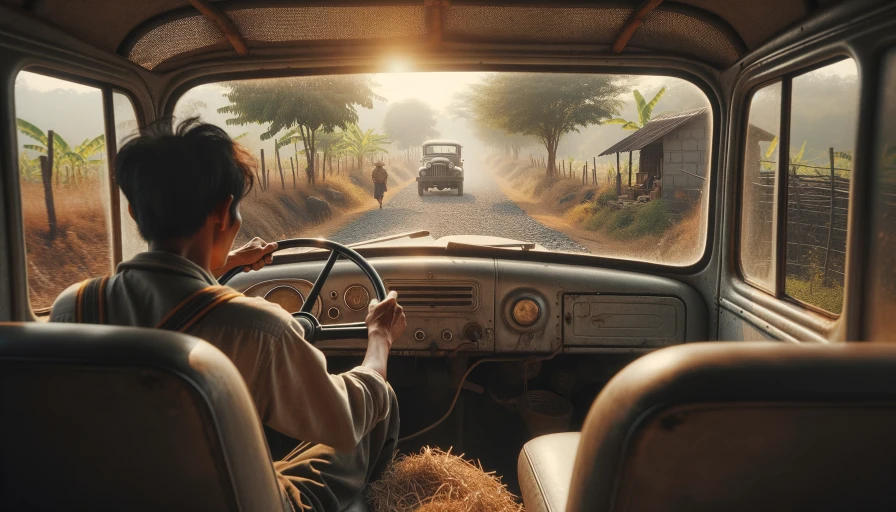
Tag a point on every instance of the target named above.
point(423, 173)
point(451, 165)
point(429, 165)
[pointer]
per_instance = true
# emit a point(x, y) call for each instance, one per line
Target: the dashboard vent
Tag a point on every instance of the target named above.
point(435, 295)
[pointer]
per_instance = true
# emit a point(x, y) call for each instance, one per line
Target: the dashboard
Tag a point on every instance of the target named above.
point(481, 305)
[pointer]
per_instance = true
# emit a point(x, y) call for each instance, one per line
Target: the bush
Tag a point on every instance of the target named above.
point(651, 219)
point(621, 219)
point(606, 198)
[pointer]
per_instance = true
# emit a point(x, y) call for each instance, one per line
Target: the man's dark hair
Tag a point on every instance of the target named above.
point(174, 179)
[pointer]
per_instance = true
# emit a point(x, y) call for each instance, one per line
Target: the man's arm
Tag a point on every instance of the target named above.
point(252, 256)
point(300, 398)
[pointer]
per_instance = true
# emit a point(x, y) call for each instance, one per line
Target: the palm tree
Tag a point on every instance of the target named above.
point(645, 111)
point(360, 144)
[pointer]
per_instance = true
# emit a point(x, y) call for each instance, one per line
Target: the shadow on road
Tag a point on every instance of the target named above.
point(447, 196)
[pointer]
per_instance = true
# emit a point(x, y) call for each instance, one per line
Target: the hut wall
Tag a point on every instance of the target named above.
point(685, 148)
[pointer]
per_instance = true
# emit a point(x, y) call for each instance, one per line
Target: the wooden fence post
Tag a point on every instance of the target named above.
point(279, 167)
point(46, 171)
point(827, 252)
point(594, 170)
point(629, 169)
point(264, 176)
point(293, 167)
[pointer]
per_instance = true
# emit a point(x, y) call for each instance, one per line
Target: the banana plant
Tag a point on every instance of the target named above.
point(645, 111)
point(360, 144)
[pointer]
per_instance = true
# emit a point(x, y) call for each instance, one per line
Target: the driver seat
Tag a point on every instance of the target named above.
point(99, 418)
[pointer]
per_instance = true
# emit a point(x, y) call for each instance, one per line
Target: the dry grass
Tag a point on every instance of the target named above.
point(433, 480)
point(81, 247)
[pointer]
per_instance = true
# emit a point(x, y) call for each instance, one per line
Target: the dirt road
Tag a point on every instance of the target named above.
point(483, 210)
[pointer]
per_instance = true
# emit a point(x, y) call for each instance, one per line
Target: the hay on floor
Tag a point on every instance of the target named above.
point(433, 480)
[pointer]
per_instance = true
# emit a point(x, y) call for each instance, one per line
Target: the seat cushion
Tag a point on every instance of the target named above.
point(545, 471)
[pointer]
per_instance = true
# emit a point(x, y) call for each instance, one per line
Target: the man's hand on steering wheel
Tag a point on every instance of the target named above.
point(252, 256)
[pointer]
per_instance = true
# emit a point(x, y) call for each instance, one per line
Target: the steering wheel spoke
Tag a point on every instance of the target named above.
point(314, 330)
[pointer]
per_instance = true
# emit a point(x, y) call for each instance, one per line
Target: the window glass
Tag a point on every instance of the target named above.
point(126, 128)
point(824, 117)
point(623, 173)
point(64, 198)
point(437, 150)
point(757, 249)
point(882, 272)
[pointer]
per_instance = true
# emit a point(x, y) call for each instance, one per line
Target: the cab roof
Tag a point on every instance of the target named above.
point(441, 142)
point(169, 35)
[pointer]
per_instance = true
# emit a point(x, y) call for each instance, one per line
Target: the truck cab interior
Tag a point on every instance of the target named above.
point(738, 358)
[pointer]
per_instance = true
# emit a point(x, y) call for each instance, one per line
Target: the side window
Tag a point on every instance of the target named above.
point(882, 271)
point(63, 178)
point(823, 122)
point(126, 127)
point(816, 169)
point(757, 248)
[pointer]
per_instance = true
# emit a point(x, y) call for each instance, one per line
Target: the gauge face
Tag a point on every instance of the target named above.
point(290, 299)
point(356, 297)
point(526, 312)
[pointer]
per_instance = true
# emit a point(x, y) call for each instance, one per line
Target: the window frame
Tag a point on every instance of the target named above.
point(779, 215)
point(113, 213)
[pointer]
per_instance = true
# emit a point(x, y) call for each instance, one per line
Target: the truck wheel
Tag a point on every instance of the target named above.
point(420, 189)
point(460, 189)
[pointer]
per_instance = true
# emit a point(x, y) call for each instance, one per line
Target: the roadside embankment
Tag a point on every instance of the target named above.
point(594, 217)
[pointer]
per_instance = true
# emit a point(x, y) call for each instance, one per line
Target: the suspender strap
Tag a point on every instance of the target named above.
point(195, 307)
point(90, 302)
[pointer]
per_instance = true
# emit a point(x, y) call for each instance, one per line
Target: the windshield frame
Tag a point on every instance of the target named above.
point(699, 75)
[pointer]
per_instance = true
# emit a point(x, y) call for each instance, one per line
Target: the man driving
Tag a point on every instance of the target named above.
point(184, 189)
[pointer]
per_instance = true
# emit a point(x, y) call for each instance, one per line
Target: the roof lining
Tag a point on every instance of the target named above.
point(716, 22)
point(224, 24)
point(633, 23)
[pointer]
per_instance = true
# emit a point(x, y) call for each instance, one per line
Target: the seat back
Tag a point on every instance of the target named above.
point(99, 418)
point(743, 426)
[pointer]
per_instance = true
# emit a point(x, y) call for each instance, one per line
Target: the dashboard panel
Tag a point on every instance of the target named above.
point(480, 305)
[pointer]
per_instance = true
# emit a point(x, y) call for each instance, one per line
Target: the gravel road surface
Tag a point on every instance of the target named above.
point(482, 210)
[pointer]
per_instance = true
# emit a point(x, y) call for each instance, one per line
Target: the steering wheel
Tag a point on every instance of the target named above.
point(314, 331)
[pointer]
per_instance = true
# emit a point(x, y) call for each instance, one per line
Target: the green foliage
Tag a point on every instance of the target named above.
point(409, 123)
point(542, 105)
point(360, 144)
point(645, 111)
point(606, 198)
point(308, 104)
point(77, 159)
point(651, 219)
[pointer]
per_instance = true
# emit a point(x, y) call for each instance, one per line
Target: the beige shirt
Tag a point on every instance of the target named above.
point(286, 375)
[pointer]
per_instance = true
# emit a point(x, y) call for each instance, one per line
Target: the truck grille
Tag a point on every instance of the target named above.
point(443, 296)
point(440, 171)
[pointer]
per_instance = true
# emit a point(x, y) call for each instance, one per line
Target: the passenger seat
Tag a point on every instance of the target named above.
point(729, 426)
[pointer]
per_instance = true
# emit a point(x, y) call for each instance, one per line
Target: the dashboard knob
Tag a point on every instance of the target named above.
point(419, 335)
point(473, 332)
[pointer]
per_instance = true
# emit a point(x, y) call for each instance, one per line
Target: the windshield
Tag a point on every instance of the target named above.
point(440, 150)
point(602, 164)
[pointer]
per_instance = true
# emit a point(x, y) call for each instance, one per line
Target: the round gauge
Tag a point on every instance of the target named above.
point(289, 299)
point(356, 297)
point(526, 312)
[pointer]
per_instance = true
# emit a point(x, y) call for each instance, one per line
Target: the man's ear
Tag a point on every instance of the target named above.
point(131, 212)
point(222, 214)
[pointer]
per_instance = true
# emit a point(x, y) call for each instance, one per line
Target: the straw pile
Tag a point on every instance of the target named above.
point(433, 480)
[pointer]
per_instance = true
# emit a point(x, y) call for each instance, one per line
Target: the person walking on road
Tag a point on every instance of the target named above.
point(380, 176)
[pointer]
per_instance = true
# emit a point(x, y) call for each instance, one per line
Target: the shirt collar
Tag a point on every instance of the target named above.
point(161, 261)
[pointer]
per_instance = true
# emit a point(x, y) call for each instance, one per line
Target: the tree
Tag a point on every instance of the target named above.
point(409, 123)
point(308, 105)
point(645, 111)
point(359, 144)
point(542, 105)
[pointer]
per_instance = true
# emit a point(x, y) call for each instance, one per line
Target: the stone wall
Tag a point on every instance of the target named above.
point(685, 148)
